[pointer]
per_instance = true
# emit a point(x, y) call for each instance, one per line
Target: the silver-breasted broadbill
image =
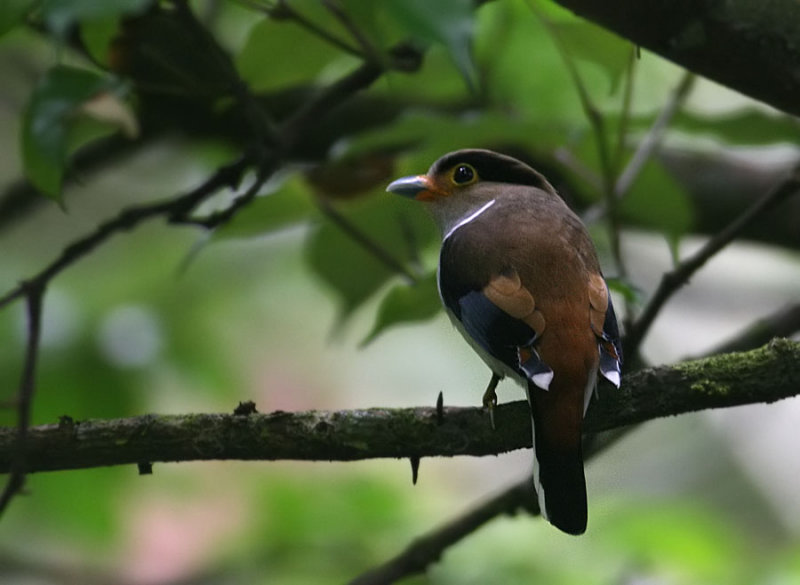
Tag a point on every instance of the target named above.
point(520, 279)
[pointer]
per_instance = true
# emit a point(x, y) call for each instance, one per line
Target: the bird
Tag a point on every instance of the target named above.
point(520, 279)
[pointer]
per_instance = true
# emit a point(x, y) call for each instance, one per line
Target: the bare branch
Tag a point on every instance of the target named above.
point(225, 177)
point(327, 99)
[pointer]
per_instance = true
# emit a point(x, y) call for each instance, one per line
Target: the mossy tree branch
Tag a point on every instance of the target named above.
point(763, 375)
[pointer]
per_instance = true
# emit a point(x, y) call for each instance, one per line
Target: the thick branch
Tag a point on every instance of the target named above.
point(764, 375)
point(749, 46)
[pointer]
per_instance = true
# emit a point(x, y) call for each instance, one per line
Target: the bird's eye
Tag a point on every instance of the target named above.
point(464, 174)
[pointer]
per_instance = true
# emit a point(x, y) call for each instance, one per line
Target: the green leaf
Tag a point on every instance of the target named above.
point(60, 15)
point(522, 67)
point(261, 61)
point(349, 268)
point(97, 36)
point(588, 42)
point(703, 546)
point(446, 22)
point(405, 303)
point(12, 12)
point(288, 205)
point(353, 274)
point(48, 120)
point(657, 201)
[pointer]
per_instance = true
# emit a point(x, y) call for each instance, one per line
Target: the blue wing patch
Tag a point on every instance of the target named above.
point(502, 336)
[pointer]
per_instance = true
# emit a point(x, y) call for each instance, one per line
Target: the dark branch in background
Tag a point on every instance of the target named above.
point(782, 323)
point(18, 464)
point(20, 197)
point(764, 375)
point(175, 208)
point(325, 101)
point(367, 48)
point(675, 279)
point(748, 46)
point(218, 218)
point(283, 10)
point(427, 549)
point(259, 121)
point(265, 154)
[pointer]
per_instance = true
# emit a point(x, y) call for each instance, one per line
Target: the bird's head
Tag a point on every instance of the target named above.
point(466, 179)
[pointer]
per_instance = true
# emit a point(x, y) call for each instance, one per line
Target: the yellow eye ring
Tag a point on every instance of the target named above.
point(463, 174)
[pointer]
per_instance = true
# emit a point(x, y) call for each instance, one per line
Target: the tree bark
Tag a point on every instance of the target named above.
point(750, 46)
point(763, 375)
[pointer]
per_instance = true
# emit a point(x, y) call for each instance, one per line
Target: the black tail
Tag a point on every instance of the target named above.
point(558, 466)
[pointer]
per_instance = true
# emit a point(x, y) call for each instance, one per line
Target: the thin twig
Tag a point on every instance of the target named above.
point(599, 131)
point(680, 275)
point(367, 48)
point(625, 117)
point(652, 141)
point(326, 100)
point(219, 218)
point(578, 168)
point(227, 176)
point(367, 243)
point(34, 292)
point(283, 10)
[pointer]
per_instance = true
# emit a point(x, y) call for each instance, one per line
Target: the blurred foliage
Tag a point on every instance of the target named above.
point(218, 318)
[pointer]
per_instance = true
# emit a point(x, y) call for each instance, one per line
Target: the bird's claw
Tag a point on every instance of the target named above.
point(489, 402)
point(490, 399)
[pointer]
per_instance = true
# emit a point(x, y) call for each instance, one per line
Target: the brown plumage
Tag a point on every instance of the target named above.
point(519, 276)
